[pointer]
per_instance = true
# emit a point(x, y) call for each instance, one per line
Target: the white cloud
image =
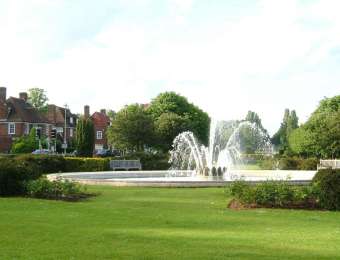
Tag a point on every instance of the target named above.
point(225, 68)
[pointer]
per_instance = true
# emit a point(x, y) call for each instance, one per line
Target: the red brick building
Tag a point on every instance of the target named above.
point(17, 118)
point(56, 117)
point(101, 122)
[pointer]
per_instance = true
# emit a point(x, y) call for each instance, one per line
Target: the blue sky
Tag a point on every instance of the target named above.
point(228, 57)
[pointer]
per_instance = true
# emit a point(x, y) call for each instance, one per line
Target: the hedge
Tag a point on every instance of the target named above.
point(14, 174)
point(327, 182)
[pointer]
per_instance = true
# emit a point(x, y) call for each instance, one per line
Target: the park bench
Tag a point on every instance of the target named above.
point(324, 164)
point(125, 165)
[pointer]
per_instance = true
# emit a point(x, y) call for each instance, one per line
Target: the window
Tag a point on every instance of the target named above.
point(99, 135)
point(71, 132)
point(11, 128)
point(71, 120)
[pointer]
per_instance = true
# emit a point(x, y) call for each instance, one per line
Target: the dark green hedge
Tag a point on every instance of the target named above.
point(327, 182)
point(13, 175)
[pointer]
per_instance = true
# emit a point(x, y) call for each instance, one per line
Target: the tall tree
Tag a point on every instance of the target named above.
point(289, 123)
point(131, 129)
point(85, 137)
point(320, 135)
point(37, 97)
point(172, 114)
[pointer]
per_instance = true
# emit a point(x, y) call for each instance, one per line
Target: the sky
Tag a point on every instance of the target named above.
point(227, 57)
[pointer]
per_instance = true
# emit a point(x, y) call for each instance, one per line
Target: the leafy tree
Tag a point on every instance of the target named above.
point(253, 138)
point(167, 126)
point(131, 129)
point(172, 114)
point(37, 98)
point(25, 144)
point(289, 123)
point(85, 137)
point(320, 135)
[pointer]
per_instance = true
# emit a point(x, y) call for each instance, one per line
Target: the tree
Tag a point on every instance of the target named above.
point(167, 126)
point(37, 98)
point(172, 114)
point(320, 135)
point(253, 137)
point(131, 129)
point(85, 137)
point(26, 144)
point(289, 123)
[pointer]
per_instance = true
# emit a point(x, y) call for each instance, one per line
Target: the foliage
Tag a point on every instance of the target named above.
point(85, 137)
point(25, 144)
point(13, 174)
point(289, 123)
point(320, 135)
point(131, 129)
point(167, 127)
point(86, 164)
point(327, 182)
point(180, 115)
point(37, 98)
point(57, 189)
point(273, 194)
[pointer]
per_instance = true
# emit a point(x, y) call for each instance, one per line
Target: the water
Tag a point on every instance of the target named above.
point(224, 153)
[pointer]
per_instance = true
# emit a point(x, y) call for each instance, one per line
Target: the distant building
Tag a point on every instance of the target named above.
point(101, 122)
point(56, 117)
point(17, 118)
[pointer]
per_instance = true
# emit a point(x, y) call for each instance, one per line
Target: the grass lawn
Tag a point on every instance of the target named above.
point(162, 223)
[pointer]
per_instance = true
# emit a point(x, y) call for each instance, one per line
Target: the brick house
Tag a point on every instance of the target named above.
point(101, 122)
point(17, 118)
point(56, 117)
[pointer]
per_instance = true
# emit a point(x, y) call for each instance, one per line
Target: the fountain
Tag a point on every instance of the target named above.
point(223, 154)
point(195, 165)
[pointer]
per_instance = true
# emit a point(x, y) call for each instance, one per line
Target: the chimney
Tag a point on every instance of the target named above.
point(51, 114)
point(86, 111)
point(103, 111)
point(2, 94)
point(23, 96)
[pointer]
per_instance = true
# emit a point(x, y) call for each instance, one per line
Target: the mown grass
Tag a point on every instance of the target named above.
point(162, 223)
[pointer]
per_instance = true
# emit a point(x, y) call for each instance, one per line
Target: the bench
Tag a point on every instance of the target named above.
point(125, 165)
point(333, 164)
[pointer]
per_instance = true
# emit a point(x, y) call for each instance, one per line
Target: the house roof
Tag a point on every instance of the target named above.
point(100, 119)
point(21, 111)
point(57, 117)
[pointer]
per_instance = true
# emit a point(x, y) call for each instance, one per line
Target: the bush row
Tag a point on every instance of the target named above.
point(57, 189)
point(288, 163)
point(149, 161)
point(323, 192)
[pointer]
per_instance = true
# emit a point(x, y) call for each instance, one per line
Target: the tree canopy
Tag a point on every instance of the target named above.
point(173, 114)
point(85, 137)
point(37, 97)
point(131, 129)
point(289, 123)
point(320, 135)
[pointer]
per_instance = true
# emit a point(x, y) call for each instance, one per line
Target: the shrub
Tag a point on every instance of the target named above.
point(58, 189)
point(86, 164)
point(46, 163)
point(14, 173)
point(273, 194)
point(308, 164)
point(327, 182)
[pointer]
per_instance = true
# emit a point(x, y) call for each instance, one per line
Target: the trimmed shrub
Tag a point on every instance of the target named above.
point(276, 194)
point(86, 164)
point(58, 189)
point(45, 163)
point(14, 173)
point(327, 182)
